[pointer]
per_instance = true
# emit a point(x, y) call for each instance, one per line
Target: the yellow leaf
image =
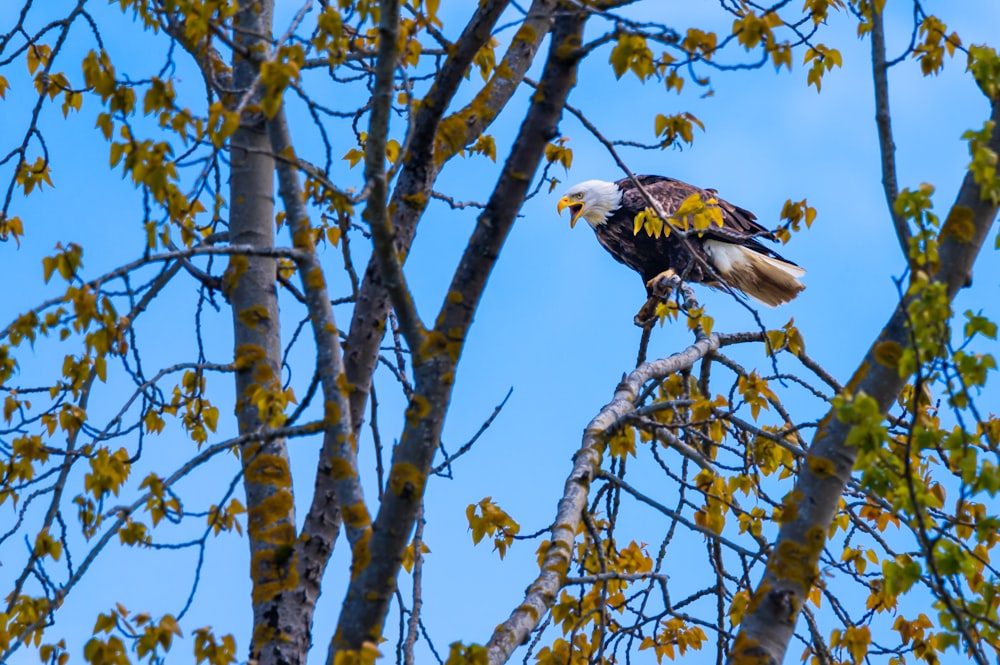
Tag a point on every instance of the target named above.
point(105, 623)
point(408, 558)
point(38, 55)
point(391, 151)
point(46, 545)
point(116, 153)
point(354, 156)
point(558, 152)
point(486, 145)
point(432, 10)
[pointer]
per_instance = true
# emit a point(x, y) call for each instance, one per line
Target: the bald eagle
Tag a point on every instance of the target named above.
point(727, 255)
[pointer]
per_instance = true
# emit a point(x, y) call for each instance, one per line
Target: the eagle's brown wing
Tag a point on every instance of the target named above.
point(739, 226)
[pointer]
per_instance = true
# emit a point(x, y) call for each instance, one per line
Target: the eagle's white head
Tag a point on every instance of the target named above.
point(594, 200)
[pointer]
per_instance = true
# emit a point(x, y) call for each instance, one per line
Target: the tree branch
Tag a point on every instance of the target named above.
point(376, 209)
point(554, 567)
point(426, 154)
point(883, 120)
point(435, 361)
point(767, 629)
point(337, 491)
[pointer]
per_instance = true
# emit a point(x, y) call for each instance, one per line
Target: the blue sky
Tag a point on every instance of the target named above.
point(556, 321)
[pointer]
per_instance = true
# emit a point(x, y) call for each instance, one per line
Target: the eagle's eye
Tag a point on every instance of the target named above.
point(578, 196)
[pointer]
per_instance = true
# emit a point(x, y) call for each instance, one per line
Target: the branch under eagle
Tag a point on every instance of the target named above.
point(720, 247)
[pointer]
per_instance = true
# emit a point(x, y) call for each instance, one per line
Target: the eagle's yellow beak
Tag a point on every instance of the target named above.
point(575, 209)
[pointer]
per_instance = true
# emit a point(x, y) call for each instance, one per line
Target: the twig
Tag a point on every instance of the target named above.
point(413, 624)
point(482, 428)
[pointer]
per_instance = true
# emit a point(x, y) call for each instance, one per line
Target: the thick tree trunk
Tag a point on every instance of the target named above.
point(792, 567)
point(251, 285)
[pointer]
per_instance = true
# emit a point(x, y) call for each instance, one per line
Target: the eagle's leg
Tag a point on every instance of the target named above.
point(659, 289)
point(663, 284)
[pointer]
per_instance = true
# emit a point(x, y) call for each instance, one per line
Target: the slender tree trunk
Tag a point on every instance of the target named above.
point(257, 338)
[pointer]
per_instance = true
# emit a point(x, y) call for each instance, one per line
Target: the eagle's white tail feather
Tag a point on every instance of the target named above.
point(764, 278)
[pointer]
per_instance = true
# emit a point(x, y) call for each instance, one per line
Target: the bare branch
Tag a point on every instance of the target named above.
point(413, 624)
point(427, 152)
point(376, 210)
point(883, 120)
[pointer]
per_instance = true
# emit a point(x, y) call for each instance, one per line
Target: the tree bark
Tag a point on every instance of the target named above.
point(251, 289)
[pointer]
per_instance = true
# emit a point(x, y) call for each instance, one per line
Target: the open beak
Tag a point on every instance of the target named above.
point(575, 209)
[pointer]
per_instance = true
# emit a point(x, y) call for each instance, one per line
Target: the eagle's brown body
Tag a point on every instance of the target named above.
point(730, 255)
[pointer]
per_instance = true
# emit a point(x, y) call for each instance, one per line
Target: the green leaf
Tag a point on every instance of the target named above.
point(979, 324)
